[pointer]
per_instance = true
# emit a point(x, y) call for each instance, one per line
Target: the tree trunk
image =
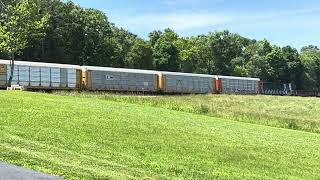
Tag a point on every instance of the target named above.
point(12, 69)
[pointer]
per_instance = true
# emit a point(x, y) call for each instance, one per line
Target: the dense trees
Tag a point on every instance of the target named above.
point(62, 32)
point(165, 52)
point(310, 56)
point(140, 55)
point(23, 26)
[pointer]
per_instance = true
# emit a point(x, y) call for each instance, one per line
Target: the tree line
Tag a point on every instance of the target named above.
point(63, 32)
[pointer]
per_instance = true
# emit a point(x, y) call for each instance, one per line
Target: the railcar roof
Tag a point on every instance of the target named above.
point(238, 78)
point(186, 74)
point(96, 68)
point(41, 64)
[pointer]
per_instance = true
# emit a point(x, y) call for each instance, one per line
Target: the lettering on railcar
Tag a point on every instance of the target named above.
point(109, 78)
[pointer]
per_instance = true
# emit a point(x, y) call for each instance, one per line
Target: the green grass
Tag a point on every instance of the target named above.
point(296, 113)
point(85, 138)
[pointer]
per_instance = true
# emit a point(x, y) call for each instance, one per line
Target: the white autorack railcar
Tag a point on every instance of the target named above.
point(34, 75)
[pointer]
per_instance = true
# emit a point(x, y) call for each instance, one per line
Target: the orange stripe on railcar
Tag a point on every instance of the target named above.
point(218, 85)
point(161, 82)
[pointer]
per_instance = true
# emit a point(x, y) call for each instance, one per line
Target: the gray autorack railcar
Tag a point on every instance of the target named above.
point(119, 79)
point(172, 82)
point(34, 75)
point(238, 85)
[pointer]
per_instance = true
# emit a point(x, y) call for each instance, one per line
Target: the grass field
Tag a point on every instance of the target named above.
point(297, 113)
point(78, 137)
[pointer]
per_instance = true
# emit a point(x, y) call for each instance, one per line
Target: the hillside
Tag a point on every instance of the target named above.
point(81, 137)
point(296, 113)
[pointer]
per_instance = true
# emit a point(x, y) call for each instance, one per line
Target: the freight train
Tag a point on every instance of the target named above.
point(49, 76)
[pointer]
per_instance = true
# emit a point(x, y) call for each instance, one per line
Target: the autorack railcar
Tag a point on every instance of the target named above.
point(238, 85)
point(34, 75)
point(119, 79)
point(173, 82)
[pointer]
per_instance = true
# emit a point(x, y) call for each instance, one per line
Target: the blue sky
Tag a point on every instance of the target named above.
point(283, 22)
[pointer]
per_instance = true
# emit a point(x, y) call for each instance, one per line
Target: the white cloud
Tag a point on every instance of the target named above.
point(255, 24)
point(179, 22)
point(186, 21)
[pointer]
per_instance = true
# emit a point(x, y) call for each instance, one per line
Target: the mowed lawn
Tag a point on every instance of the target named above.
point(86, 138)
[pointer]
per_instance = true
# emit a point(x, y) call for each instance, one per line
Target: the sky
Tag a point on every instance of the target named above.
point(283, 22)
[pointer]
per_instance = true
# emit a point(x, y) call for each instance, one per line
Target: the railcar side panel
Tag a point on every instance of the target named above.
point(45, 77)
point(239, 85)
point(188, 83)
point(55, 77)
point(115, 79)
point(24, 76)
point(35, 76)
point(63, 78)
